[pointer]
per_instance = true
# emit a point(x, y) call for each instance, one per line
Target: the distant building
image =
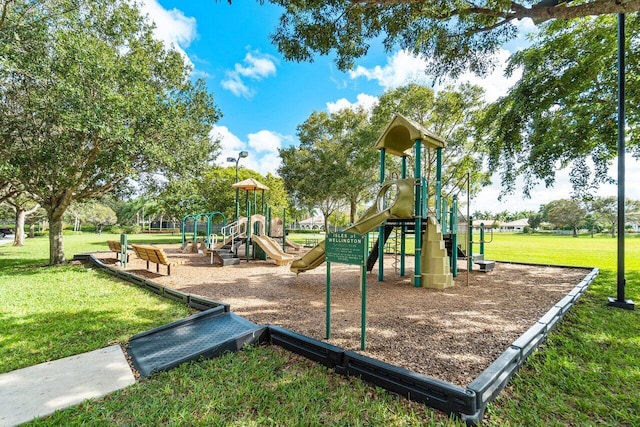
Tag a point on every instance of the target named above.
point(488, 223)
point(312, 223)
point(516, 226)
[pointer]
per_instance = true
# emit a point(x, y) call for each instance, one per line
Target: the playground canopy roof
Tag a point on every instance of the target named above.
point(250, 184)
point(400, 135)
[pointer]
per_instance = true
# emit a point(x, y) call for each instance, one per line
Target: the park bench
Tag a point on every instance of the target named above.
point(115, 246)
point(155, 255)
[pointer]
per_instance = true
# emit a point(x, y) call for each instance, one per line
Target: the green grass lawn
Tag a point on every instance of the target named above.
point(599, 251)
point(586, 373)
point(52, 312)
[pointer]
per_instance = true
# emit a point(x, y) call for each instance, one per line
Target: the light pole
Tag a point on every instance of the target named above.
point(241, 155)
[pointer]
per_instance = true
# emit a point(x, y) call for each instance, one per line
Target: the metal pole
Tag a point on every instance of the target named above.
point(237, 192)
point(453, 222)
point(620, 300)
point(327, 334)
point(248, 241)
point(417, 273)
point(403, 235)
point(381, 228)
point(470, 227)
point(440, 213)
point(284, 229)
point(363, 291)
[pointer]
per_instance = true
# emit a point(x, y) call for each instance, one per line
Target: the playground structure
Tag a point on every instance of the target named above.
point(401, 205)
point(440, 237)
point(252, 232)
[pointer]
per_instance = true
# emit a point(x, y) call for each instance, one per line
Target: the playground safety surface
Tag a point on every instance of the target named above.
point(451, 335)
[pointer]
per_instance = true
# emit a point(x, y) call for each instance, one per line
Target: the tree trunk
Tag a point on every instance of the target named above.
point(56, 249)
point(575, 231)
point(353, 206)
point(326, 221)
point(18, 238)
point(32, 230)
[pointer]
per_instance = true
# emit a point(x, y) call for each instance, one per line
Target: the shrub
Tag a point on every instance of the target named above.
point(133, 229)
point(116, 229)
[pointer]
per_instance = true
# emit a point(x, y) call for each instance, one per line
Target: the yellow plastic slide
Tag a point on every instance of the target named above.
point(401, 207)
point(272, 249)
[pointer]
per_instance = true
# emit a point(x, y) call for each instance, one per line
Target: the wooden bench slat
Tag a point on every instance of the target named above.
point(115, 246)
point(156, 256)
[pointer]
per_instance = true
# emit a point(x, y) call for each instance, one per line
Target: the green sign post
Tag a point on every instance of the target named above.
point(348, 248)
point(123, 250)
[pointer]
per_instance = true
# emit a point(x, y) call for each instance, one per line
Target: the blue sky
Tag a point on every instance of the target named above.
point(264, 98)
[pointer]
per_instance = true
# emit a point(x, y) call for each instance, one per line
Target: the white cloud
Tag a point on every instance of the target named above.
point(265, 141)
point(262, 147)
point(230, 144)
point(173, 28)
point(257, 66)
point(487, 199)
point(236, 86)
point(367, 102)
point(402, 68)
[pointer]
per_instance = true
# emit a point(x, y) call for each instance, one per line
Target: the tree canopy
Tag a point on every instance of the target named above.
point(605, 209)
point(88, 100)
point(562, 112)
point(567, 213)
point(454, 35)
point(333, 163)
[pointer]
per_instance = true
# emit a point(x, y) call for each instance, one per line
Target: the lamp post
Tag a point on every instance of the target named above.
point(241, 155)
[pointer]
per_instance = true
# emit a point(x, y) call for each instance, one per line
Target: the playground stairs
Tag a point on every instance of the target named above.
point(436, 272)
point(227, 254)
point(224, 257)
point(462, 253)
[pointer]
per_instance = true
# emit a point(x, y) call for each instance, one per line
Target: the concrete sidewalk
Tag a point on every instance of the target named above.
point(40, 390)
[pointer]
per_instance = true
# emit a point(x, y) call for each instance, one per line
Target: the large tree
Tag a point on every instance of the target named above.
point(309, 175)
point(348, 138)
point(605, 209)
point(566, 213)
point(334, 164)
point(562, 112)
point(454, 35)
point(88, 100)
point(22, 206)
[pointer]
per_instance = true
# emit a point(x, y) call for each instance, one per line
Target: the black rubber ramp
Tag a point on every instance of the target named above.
point(203, 335)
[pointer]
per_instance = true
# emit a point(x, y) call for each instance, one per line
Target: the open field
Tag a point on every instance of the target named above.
point(586, 373)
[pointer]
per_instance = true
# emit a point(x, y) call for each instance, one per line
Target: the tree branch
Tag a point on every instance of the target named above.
point(5, 11)
point(541, 12)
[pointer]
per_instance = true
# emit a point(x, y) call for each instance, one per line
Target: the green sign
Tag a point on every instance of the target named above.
point(345, 248)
